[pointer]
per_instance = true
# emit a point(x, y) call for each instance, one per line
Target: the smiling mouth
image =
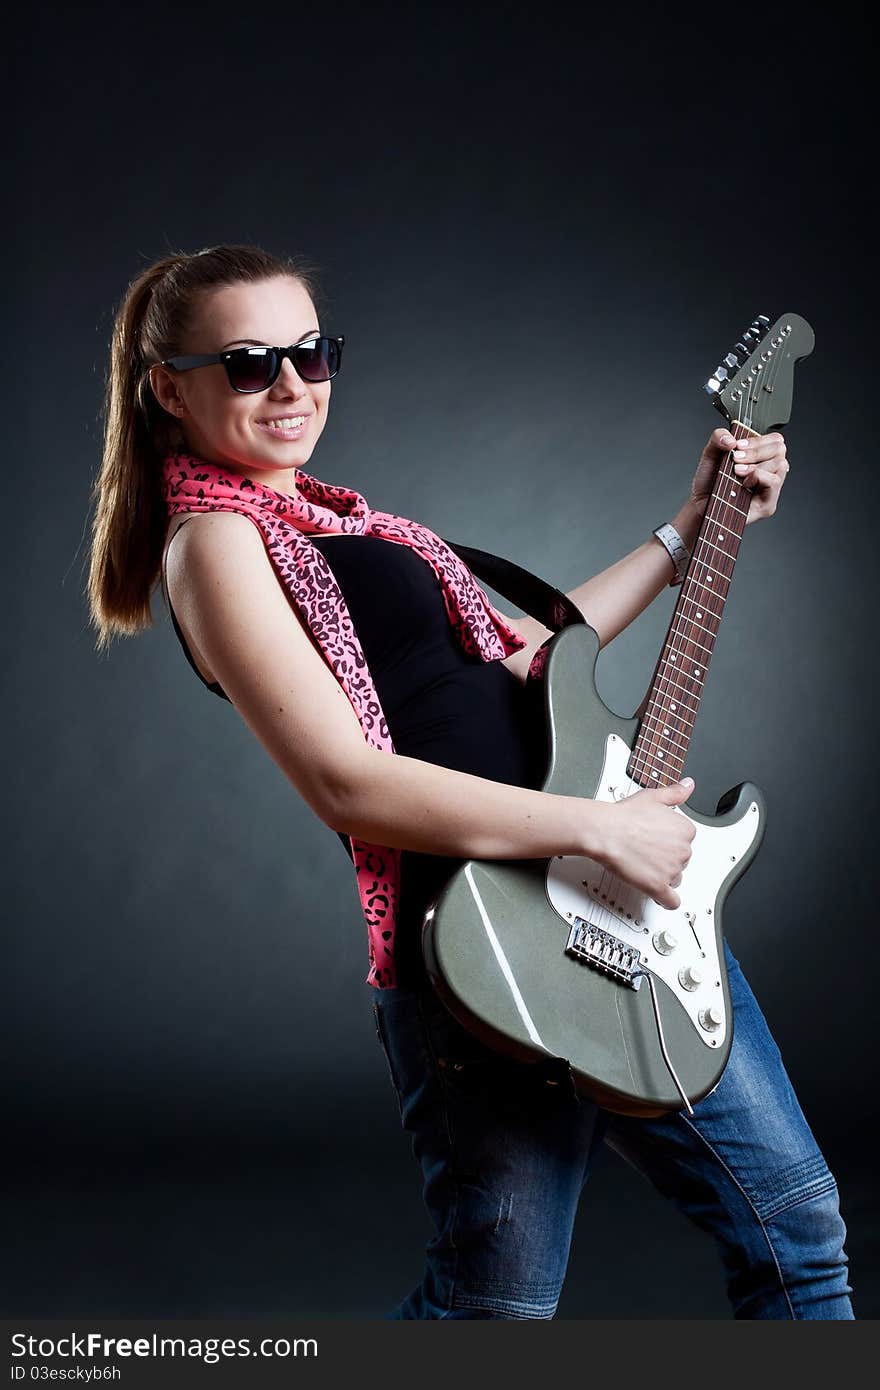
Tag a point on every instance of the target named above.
point(284, 425)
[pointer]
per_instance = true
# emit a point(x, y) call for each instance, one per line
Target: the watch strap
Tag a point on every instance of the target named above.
point(676, 548)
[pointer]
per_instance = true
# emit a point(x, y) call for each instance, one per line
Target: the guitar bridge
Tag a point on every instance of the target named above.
point(604, 952)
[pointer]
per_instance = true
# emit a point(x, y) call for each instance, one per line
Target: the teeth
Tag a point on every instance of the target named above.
point(289, 423)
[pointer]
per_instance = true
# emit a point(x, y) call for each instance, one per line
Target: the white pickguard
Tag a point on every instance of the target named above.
point(578, 886)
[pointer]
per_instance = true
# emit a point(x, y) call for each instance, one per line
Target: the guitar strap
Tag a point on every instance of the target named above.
point(547, 605)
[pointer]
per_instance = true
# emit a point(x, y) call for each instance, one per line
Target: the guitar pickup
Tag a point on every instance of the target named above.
point(604, 952)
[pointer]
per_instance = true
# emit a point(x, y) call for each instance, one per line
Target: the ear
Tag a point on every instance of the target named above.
point(164, 387)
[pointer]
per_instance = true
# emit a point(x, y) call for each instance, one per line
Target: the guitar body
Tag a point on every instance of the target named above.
point(561, 958)
point(506, 953)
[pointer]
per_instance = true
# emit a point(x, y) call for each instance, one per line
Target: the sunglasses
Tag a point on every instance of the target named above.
point(252, 369)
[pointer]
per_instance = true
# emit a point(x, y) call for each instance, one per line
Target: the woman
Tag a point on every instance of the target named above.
point(342, 633)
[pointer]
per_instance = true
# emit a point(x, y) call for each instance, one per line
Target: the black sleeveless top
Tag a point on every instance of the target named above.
point(442, 704)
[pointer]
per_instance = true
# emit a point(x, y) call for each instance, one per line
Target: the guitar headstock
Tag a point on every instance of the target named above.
point(755, 381)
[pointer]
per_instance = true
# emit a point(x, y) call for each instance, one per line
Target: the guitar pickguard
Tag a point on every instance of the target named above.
point(615, 928)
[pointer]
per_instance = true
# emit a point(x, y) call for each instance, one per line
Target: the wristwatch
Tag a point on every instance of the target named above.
point(678, 551)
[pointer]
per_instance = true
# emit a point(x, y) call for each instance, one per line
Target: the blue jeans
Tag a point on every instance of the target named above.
point(506, 1147)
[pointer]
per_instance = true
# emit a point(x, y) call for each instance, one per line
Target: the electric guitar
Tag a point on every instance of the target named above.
point(561, 958)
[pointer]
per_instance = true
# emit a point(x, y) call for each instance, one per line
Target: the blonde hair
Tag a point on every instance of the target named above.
point(130, 519)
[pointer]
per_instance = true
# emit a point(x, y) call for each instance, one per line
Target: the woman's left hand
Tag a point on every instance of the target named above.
point(759, 462)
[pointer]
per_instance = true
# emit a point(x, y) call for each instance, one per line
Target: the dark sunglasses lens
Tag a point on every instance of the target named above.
point(252, 369)
point(317, 360)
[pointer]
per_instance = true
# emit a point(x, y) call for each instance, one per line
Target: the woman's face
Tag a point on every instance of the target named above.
point(226, 427)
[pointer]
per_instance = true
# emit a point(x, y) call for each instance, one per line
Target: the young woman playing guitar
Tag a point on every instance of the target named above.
point(196, 377)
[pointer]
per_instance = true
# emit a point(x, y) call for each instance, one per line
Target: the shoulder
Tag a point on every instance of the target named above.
point(212, 541)
point(217, 569)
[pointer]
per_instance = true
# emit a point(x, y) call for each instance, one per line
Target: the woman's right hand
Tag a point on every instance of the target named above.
point(646, 843)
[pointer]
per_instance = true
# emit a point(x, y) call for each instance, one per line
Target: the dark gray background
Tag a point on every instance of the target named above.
point(538, 237)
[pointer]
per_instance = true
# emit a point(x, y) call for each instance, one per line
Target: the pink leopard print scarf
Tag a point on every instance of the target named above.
point(285, 522)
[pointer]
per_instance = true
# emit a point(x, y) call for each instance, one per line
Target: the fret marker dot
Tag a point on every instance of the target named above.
point(653, 773)
point(733, 492)
point(721, 535)
point(699, 614)
point(708, 578)
point(672, 656)
point(673, 706)
point(696, 670)
point(666, 731)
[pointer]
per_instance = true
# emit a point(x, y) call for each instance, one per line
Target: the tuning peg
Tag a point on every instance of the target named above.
point(721, 374)
point(743, 349)
point(731, 361)
point(713, 386)
point(763, 320)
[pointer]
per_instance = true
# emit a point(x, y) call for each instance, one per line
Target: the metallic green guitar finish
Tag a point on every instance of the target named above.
point(560, 957)
point(605, 1029)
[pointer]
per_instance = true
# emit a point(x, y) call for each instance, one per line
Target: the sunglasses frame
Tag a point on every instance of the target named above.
point(210, 359)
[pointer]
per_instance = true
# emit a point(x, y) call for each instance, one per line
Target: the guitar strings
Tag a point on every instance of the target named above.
point(609, 883)
point(651, 744)
point(607, 880)
point(677, 635)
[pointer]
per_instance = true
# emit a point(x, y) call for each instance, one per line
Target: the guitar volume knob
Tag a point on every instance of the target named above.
point(665, 941)
point(690, 977)
point(711, 1018)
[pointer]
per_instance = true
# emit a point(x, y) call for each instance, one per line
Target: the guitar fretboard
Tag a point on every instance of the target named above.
point(660, 749)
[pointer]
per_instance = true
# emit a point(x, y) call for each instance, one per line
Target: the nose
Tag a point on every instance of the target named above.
point(289, 382)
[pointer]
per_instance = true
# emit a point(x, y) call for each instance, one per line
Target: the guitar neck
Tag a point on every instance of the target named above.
point(670, 712)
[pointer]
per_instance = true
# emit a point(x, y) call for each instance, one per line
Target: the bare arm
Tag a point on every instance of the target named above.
point(612, 599)
point(436, 810)
point(226, 591)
